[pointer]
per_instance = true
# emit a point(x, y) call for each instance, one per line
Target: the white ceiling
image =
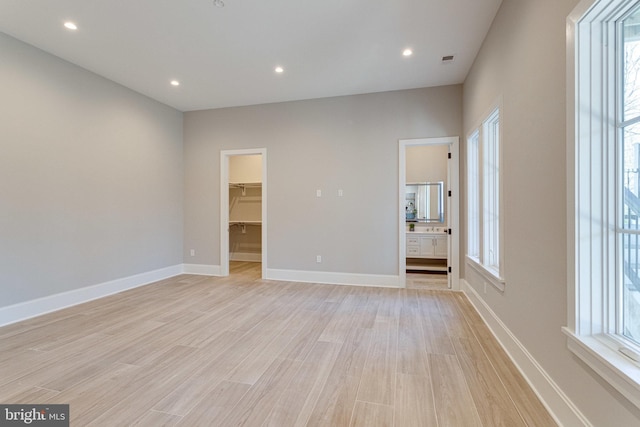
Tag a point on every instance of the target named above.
point(226, 56)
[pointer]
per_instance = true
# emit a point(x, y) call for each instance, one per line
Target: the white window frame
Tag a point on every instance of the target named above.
point(485, 241)
point(473, 196)
point(592, 194)
point(491, 193)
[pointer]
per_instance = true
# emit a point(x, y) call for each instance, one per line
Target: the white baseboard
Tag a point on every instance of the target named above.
point(201, 269)
point(245, 256)
point(37, 307)
point(553, 398)
point(376, 280)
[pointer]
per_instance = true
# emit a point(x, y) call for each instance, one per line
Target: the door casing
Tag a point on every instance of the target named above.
point(224, 206)
point(453, 205)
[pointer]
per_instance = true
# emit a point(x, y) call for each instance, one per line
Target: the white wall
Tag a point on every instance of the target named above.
point(91, 178)
point(348, 143)
point(522, 61)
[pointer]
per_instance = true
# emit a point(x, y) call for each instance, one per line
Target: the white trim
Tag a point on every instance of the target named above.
point(493, 114)
point(224, 213)
point(202, 269)
point(497, 104)
point(224, 206)
point(561, 408)
point(402, 217)
point(453, 205)
point(492, 142)
point(472, 180)
point(454, 213)
point(571, 166)
point(245, 256)
point(592, 192)
point(490, 276)
point(37, 307)
point(334, 278)
point(616, 369)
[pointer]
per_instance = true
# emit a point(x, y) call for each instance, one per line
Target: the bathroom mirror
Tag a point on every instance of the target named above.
point(424, 202)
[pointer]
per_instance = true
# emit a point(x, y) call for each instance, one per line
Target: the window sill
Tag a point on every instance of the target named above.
point(489, 275)
point(600, 354)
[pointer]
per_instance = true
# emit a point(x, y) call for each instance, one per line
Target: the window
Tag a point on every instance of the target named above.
point(604, 214)
point(483, 200)
point(491, 193)
point(473, 196)
point(628, 124)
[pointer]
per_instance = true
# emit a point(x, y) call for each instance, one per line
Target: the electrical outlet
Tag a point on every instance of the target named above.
point(318, 193)
point(340, 193)
point(319, 258)
point(193, 252)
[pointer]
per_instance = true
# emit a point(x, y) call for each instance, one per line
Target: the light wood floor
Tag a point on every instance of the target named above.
point(430, 281)
point(200, 351)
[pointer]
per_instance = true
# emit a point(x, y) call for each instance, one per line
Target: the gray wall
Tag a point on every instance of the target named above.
point(91, 182)
point(523, 61)
point(348, 143)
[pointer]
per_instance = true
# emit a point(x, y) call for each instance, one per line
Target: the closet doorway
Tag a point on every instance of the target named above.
point(243, 208)
point(437, 235)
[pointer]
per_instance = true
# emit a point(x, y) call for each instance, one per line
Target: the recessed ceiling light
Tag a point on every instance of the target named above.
point(279, 70)
point(175, 83)
point(70, 25)
point(407, 52)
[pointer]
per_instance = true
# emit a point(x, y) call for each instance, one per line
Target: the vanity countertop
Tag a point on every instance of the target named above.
point(428, 230)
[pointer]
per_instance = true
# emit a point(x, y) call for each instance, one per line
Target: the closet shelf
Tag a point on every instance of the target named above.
point(243, 224)
point(244, 185)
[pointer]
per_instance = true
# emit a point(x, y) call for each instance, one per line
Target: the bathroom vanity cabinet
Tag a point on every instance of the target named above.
point(426, 246)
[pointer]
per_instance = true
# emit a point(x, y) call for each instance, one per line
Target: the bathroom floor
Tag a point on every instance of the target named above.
point(431, 281)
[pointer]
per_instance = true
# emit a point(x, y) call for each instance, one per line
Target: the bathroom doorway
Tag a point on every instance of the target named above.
point(428, 208)
point(243, 210)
